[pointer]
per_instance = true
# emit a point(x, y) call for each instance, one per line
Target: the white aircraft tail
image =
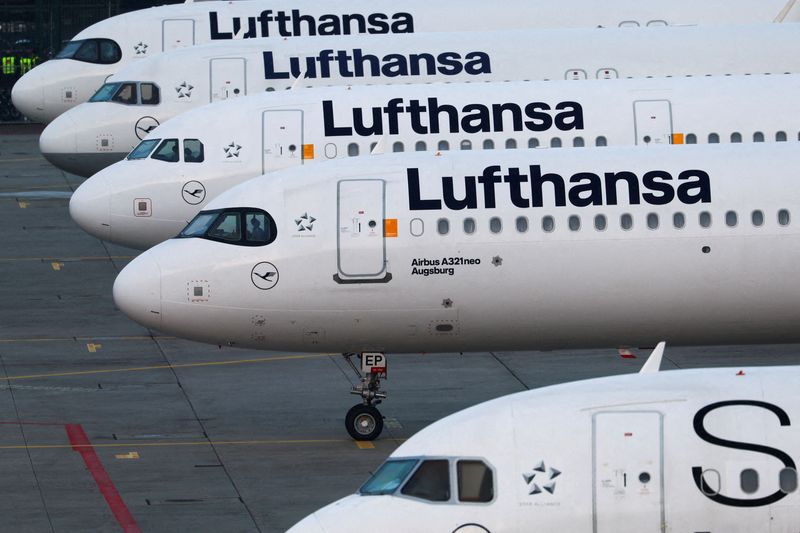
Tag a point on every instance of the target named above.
point(653, 363)
point(379, 146)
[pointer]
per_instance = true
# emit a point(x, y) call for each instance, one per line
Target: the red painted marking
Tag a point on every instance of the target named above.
point(627, 356)
point(740, 373)
point(80, 443)
point(627, 434)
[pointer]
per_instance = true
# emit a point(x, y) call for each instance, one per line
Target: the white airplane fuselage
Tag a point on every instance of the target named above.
point(57, 85)
point(489, 250)
point(245, 138)
point(689, 450)
point(95, 134)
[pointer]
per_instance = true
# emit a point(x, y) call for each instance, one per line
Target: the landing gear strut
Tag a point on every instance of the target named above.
point(363, 420)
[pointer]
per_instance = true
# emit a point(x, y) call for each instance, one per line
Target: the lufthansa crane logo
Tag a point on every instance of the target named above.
point(193, 192)
point(264, 275)
point(144, 126)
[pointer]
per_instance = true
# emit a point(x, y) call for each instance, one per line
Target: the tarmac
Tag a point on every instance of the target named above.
point(107, 426)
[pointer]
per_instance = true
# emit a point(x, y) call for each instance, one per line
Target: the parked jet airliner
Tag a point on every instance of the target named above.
point(711, 450)
point(150, 196)
point(487, 250)
point(103, 48)
point(139, 98)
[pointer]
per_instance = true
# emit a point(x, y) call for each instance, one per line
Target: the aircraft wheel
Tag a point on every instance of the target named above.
point(364, 422)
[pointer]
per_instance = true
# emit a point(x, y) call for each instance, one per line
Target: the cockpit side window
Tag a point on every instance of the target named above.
point(389, 477)
point(475, 481)
point(192, 151)
point(150, 94)
point(105, 92)
point(240, 226)
point(430, 482)
point(167, 151)
point(143, 149)
point(101, 51)
point(126, 94)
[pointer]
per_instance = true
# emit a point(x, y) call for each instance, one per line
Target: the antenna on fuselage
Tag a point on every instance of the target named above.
point(653, 363)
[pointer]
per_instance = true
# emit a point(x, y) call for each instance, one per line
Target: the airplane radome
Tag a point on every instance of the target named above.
point(139, 98)
point(486, 250)
point(184, 164)
point(685, 450)
point(103, 48)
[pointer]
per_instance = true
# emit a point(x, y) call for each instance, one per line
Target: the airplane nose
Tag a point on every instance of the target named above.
point(27, 95)
point(59, 144)
point(90, 205)
point(309, 524)
point(137, 291)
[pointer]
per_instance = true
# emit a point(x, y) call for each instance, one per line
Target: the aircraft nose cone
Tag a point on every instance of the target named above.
point(309, 524)
point(137, 291)
point(27, 95)
point(59, 144)
point(89, 207)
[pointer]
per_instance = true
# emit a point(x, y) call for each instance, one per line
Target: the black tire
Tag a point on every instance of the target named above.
point(364, 422)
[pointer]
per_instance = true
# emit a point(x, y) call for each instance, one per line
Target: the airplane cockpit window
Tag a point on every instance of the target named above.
point(388, 478)
point(167, 151)
point(143, 149)
point(126, 94)
point(105, 92)
point(101, 51)
point(430, 482)
point(240, 226)
point(192, 151)
point(150, 94)
point(475, 481)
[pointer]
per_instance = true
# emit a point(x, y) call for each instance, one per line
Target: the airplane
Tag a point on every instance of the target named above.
point(685, 450)
point(100, 50)
point(138, 99)
point(150, 196)
point(486, 250)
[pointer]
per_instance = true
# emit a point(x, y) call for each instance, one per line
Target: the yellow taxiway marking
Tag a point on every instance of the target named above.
point(264, 442)
point(22, 204)
point(56, 265)
point(68, 259)
point(92, 347)
point(170, 367)
point(364, 445)
point(129, 455)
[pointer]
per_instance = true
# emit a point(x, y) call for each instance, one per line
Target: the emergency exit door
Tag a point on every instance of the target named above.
point(628, 472)
point(177, 33)
point(282, 139)
point(228, 78)
point(653, 121)
point(361, 247)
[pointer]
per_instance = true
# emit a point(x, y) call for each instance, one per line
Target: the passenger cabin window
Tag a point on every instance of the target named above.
point(511, 144)
point(167, 151)
point(705, 219)
point(533, 142)
point(780, 137)
point(548, 224)
point(443, 146)
point(240, 226)
point(388, 478)
point(787, 480)
point(398, 147)
point(488, 144)
point(475, 482)
point(713, 138)
point(691, 138)
point(522, 224)
point(757, 217)
point(443, 226)
point(574, 222)
point(430, 482)
point(731, 219)
point(420, 146)
point(758, 137)
point(495, 225)
point(652, 221)
point(600, 222)
point(143, 149)
point(736, 137)
point(601, 141)
point(783, 217)
point(466, 144)
point(678, 220)
point(749, 481)
point(626, 221)
point(578, 142)
point(469, 226)
point(100, 51)
point(352, 149)
point(193, 151)
point(555, 142)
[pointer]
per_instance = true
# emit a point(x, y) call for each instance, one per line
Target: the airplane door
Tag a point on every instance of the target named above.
point(628, 472)
point(653, 120)
point(176, 33)
point(282, 140)
point(228, 78)
point(361, 247)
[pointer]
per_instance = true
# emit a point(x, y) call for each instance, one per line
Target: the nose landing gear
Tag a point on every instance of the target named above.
point(363, 420)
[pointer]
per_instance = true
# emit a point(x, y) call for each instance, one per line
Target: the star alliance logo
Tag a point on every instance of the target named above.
point(232, 150)
point(140, 48)
point(184, 90)
point(305, 222)
point(545, 479)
